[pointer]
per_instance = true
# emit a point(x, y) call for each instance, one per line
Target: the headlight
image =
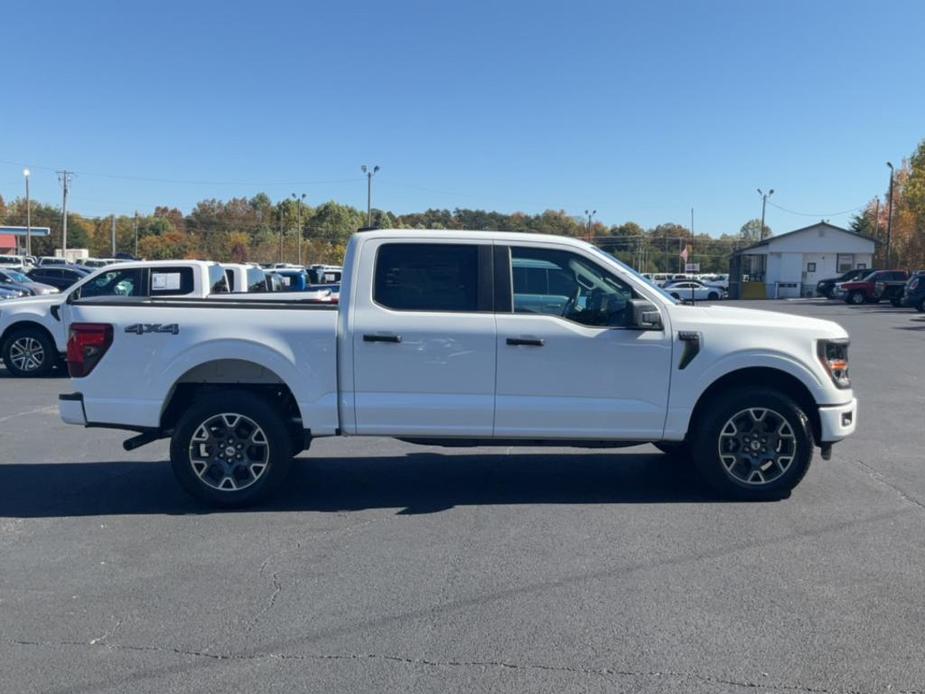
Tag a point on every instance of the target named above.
point(834, 357)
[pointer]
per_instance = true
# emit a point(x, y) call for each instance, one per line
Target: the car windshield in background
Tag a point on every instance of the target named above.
point(256, 280)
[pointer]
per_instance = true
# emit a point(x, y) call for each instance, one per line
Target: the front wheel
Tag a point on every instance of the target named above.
point(713, 296)
point(231, 449)
point(920, 307)
point(896, 302)
point(754, 445)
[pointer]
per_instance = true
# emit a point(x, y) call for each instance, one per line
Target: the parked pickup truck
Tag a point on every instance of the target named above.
point(461, 339)
point(873, 287)
point(33, 336)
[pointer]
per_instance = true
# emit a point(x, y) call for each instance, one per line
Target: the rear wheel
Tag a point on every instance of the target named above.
point(896, 301)
point(920, 307)
point(29, 352)
point(754, 445)
point(231, 449)
point(856, 298)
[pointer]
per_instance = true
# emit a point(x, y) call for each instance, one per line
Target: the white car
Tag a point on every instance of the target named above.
point(462, 339)
point(690, 289)
point(33, 335)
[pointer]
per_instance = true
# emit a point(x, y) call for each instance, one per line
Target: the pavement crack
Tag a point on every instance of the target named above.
point(878, 477)
point(603, 672)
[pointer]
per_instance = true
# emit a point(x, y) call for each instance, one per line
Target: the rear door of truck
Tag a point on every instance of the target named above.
point(424, 338)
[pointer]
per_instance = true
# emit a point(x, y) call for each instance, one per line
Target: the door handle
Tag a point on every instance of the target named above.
point(525, 341)
point(382, 338)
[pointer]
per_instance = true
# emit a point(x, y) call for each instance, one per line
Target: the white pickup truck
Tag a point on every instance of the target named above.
point(462, 338)
point(33, 331)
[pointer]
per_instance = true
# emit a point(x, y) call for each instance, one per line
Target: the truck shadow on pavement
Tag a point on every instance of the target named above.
point(416, 483)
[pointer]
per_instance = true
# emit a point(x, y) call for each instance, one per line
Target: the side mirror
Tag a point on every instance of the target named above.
point(645, 315)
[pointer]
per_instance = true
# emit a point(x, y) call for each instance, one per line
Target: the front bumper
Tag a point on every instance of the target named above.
point(71, 408)
point(838, 421)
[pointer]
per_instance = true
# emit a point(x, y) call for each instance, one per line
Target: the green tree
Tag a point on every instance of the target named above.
point(752, 232)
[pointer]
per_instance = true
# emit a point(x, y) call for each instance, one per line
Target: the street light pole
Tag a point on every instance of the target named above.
point(370, 172)
point(889, 221)
point(590, 215)
point(65, 177)
point(135, 229)
point(26, 173)
point(299, 223)
point(764, 204)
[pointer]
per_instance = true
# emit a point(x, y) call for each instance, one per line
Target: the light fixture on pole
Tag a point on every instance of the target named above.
point(889, 220)
point(26, 173)
point(299, 223)
point(370, 172)
point(764, 204)
point(590, 214)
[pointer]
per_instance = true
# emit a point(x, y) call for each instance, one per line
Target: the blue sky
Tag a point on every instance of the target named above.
point(641, 110)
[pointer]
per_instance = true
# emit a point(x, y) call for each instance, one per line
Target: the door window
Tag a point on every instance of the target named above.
point(427, 277)
point(113, 283)
point(171, 281)
point(561, 283)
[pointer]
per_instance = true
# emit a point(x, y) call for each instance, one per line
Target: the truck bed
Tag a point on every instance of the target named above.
point(159, 342)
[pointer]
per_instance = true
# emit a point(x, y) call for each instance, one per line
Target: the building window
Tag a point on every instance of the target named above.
point(862, 266)
point(810, 267)
point(845, 261)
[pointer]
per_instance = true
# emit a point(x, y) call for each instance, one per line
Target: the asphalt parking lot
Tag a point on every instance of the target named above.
point(390, 567)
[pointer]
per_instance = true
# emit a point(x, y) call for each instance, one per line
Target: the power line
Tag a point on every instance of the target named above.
point(817, 214)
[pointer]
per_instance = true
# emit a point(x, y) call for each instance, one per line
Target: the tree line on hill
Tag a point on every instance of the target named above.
point(259, 229)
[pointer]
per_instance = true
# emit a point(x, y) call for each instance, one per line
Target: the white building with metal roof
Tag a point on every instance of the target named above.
point(790, 265)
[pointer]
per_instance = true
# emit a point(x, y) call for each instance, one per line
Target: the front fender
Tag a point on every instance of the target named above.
point(687, 388)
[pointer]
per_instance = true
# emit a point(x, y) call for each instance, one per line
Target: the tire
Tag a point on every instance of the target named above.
point(896, 302)
point(29, 352)
point(856, 298)
point(712, 296)
point(245, 448)
point(920, 307)
point(753, 445)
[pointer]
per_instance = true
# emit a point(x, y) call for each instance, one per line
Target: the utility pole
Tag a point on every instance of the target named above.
point(280, 233)
point(26, 173)
point(135, 231)
point(590, 215)
point(889, 221)
point(113, 236)
point(65, 177)
point(299, 239)
point(764, 204)
point(370, 172)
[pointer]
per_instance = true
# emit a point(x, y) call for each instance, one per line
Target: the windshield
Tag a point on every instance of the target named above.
point(668, 297)
point(16, 276)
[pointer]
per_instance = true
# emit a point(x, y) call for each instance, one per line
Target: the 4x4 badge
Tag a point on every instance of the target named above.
point(145, 328)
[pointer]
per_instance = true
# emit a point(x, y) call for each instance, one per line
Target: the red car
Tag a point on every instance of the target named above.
point(878, 285)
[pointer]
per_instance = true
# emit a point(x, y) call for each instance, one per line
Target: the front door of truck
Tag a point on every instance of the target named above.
point(424, 339)
point(568, 364)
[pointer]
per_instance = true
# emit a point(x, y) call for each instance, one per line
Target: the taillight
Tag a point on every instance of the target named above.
point(86, 345)
point(834, 357)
